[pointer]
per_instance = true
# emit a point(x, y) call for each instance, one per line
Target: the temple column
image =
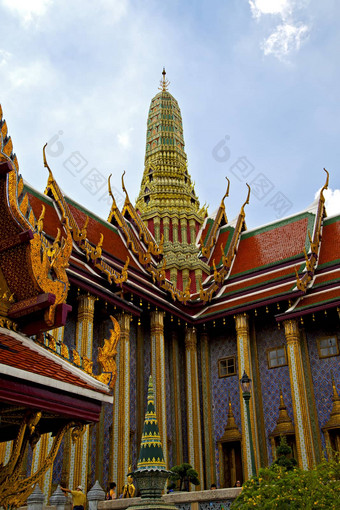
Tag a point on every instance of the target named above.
point(157, 226)
point(198, 278)
point(303, 429)
point(140, 382)
point(244, 364)
point(43, 447)
point(177, 440)
point(185, 276)
point(166, 228)
point(84, 328)
point(184, 235)
point(192, 228)
point(208, 425)
point(84, 342)
point(175, 230)
point(193, 405)
point(121, 409)
point(173, 275)
point(158, 376)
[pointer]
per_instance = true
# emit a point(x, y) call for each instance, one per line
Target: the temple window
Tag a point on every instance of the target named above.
point(276, 357)
point(227, 366)
point(328, 346)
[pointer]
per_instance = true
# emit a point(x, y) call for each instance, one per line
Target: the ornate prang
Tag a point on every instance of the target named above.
point(107, 356)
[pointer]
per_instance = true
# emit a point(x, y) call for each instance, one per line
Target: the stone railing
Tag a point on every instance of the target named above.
point(195, 500)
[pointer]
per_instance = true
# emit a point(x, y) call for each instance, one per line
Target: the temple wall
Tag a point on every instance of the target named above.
point(223, 345)
point(268, 336)
point(321, 369)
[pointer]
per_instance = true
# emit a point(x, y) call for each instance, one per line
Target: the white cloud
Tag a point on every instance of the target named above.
point(124, 139)
point(260, 7)
point(285, 39)
point(4, 57)
point(27, 10)
point(332, 200)
point(288, 35)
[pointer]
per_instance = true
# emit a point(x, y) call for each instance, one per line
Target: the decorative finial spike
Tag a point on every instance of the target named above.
point(164, 83)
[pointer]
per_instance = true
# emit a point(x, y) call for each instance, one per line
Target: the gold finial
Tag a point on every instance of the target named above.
point(164, 83)
point(325, 186)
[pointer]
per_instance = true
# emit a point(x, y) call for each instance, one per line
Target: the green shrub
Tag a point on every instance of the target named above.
point(283, 488)
point(186, 474)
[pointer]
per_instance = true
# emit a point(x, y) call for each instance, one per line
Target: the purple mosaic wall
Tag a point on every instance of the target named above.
point(321, 369)
point(133, 393)
point(108, 415)
point(58, 465)
point(182, 370)
point(269, 336)
point(224, 345)
point(168, 377)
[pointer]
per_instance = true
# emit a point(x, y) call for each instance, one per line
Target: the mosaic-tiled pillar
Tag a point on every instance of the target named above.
point(5, 452)
point(79, 451)
point(121, 409)
point(44, 445)
point(244, 364)
point(208, 425)
point(140, 369)
point(84, 328)
point(158, 375)
point(39, 455)
point(177, 440)
point(303, 429)
point(193, 405)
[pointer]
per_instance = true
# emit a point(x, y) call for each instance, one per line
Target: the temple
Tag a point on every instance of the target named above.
point(199, 300)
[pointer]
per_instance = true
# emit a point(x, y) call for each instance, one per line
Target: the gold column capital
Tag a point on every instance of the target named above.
point(242, 323)
point(86, 306)
point(156, 319)
point(124, 320)
point(190, 339)
point(291, 330)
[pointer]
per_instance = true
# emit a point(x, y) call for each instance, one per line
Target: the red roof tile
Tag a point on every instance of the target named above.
point(330, 244)
point(270, 246)
point(15, 354)
point(250, 299)
point(258, 280)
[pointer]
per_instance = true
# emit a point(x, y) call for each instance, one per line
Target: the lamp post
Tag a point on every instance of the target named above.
point(246, 386)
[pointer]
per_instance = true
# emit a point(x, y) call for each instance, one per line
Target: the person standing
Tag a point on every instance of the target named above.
point(78, 497)
point(111, 493)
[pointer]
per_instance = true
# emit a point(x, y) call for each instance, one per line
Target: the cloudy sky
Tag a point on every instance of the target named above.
point(257, 82)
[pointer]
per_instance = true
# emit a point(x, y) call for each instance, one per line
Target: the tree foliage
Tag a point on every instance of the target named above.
point(283, 488)
point(186, 474)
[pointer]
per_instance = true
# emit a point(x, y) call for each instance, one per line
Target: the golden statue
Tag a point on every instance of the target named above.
point(129, 489)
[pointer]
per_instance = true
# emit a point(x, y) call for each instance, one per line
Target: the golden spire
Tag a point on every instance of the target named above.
point(231, 432)
point(164, 83)
point(334, 419)
point(284, 425)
